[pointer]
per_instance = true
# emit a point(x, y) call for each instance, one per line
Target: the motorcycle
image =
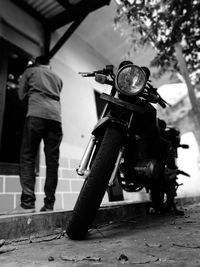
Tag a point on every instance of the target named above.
point(127, 144)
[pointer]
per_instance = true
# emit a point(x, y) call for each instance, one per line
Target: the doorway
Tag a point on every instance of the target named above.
point(13, 110)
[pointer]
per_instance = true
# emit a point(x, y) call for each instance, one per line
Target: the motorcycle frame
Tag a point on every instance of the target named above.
point(83, 168)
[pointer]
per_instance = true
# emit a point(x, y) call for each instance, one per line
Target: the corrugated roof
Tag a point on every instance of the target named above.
point(50, 9)
point(54, 14)
point(47, 8)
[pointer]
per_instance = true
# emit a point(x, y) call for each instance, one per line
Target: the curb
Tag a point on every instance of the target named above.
point(40, 224)
point(37, 225)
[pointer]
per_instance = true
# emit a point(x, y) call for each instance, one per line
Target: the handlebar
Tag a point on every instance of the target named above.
point(107, 71)
point(152, 95)
point(162, 102)
point(157, 98)
point(87, 74)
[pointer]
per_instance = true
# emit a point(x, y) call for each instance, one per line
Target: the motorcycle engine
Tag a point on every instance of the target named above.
point(147, 169)
point(141, 175)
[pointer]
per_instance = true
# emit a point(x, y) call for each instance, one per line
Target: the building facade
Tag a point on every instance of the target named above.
point(21, 39)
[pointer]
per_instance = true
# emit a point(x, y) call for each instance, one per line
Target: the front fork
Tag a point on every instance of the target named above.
point(120, 155)
point(114, 173)
point(83, 168)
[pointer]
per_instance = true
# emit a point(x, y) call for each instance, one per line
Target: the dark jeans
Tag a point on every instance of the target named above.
point(35, 130)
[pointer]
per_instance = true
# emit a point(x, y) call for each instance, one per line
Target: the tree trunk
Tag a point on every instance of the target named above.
point(191, 93)
point(185, 74)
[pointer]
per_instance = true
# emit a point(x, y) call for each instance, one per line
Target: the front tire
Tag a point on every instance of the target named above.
point(95, 184)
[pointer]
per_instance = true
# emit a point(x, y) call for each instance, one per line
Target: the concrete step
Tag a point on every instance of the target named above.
point(40, 224)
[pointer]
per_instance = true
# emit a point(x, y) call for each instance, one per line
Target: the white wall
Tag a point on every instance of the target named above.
point(189, 161)
point(78, 102)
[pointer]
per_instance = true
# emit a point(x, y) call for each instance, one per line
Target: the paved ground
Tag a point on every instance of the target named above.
point(147, 241)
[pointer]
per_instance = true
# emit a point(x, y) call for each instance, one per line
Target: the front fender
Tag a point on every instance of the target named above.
point(104, 122)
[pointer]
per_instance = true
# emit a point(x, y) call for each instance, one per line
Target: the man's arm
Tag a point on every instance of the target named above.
point(23, 86)
point(61, 86)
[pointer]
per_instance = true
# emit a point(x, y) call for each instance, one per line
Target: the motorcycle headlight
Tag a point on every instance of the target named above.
point(130, 80)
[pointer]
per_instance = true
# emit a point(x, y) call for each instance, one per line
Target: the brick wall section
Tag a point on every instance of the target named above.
point(69, 184)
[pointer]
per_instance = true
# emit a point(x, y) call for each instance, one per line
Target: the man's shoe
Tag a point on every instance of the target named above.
point(21, 210)
point(44, 208)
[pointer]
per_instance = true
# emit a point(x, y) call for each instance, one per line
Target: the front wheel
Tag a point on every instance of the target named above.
point(95, 184)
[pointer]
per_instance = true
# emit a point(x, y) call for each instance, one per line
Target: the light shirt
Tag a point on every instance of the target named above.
point(42, 87)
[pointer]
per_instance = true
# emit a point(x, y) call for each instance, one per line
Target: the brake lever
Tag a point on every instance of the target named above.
point(162, 102)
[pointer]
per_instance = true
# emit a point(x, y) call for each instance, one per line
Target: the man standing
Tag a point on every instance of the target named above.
point(42, 87)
